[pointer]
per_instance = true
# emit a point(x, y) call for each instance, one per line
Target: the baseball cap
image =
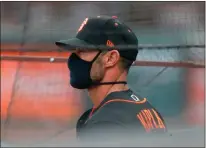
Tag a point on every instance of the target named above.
point(103, 33)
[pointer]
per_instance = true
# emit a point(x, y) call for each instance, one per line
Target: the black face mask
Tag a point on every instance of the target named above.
point(80, 73)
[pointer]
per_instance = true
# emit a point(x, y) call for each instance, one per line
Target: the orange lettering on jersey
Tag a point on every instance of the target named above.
point(149, 124)
point(142, 120)
point(83, 24)
point(151, 119)
point(160, 122)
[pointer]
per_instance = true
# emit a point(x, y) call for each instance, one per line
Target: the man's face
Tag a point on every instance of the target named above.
point(86, 55)
point(105, 60)
point(97, 70)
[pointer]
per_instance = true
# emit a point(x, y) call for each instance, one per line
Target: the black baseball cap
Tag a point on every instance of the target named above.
point(104, 33)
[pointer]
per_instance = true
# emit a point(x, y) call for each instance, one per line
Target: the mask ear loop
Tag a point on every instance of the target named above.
point(116, 82)
point(107, 83)
point(96, 56)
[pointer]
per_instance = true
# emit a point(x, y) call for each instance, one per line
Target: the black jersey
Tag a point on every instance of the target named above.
point(122, 114)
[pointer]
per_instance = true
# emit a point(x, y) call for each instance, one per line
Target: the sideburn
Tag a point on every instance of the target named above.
point(97, 71)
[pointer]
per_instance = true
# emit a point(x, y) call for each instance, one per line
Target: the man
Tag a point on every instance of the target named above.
point(102, 53)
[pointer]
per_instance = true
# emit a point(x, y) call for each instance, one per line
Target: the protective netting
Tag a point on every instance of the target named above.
point(169, 23)
point(164, 24)
point(34, 92)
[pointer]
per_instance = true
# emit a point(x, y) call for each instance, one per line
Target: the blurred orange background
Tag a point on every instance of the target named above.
point(33, 92)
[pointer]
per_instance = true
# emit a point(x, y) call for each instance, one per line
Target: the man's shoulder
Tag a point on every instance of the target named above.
point(129, 113)
point(123, 106)
point(120, 110)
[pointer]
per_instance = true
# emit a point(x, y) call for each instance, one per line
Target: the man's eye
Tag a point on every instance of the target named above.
point(78, 51)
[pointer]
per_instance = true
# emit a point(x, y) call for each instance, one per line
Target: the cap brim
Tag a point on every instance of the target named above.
point(73, 44)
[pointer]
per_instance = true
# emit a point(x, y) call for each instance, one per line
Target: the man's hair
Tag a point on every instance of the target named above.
point(125, 64)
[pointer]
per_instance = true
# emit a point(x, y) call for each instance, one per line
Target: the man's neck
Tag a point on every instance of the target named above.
point(98, 93)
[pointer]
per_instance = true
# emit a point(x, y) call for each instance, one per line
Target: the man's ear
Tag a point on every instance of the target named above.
point(111, 58)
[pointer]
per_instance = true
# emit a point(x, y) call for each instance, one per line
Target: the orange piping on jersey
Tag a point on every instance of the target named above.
point(91, 113)
point(128, 101)
point(119, 100)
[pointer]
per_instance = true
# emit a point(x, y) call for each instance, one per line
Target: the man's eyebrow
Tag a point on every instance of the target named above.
point(80, 50)
point(86, 50)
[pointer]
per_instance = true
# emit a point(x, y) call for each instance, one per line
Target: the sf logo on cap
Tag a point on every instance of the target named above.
point(83, 24)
